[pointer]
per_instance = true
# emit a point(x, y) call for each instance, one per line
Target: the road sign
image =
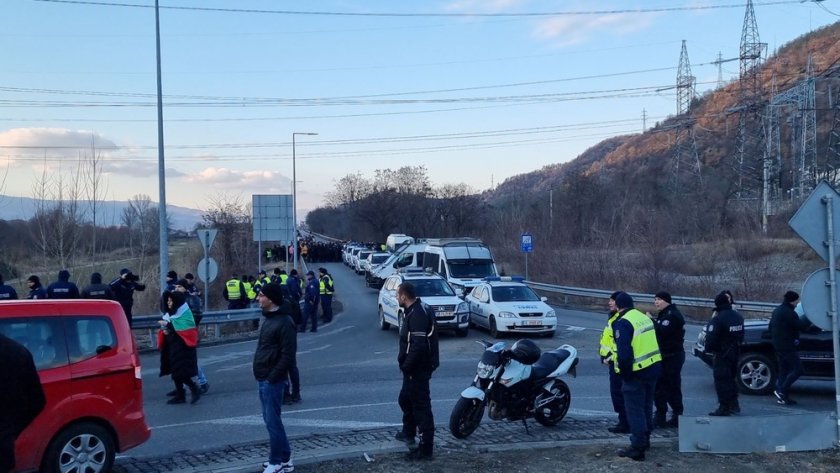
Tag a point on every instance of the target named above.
point(206, 236)
point(816, 297)
point(208, 269)
point(809, 222)
point(526, 243)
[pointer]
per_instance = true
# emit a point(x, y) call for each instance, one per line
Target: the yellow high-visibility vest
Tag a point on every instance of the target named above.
point(607, 349)
point(249, 291)
point(644, 344)
point(322, 283)
point(232, 286)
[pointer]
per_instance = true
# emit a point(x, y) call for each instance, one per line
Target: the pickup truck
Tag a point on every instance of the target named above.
point(757, 365)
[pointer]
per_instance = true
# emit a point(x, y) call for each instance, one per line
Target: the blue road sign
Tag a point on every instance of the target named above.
point(526, 243)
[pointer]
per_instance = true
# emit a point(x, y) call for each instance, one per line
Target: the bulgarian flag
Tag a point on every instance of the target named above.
point(184, 324)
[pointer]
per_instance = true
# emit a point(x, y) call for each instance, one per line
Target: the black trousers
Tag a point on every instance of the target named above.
point(616, 396)
point(669, 386)
point(724, 370)
point(416, 404)
point(7, 451)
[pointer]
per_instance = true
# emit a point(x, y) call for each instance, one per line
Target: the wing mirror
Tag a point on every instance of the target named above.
point(544, 299)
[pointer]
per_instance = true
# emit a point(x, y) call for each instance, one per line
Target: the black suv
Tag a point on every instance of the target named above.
point(757, 366)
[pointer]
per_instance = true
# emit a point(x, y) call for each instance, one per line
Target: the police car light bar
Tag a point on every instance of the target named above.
point(504, 278)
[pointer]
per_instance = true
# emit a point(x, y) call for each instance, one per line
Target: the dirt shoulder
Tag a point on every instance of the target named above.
point(589, 458)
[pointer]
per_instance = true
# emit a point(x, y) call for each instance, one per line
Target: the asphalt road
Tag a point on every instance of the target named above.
point(350, 380)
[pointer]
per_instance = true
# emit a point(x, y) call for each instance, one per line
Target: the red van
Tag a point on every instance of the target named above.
point(89, 368)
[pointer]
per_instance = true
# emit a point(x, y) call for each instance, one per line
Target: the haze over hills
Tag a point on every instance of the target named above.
point(23, 208)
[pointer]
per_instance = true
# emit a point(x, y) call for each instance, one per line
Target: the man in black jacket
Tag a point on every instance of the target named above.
point(670, 334)
point(724, 335)
point(97, 289)
point(418, 358)
point(784, 328)
point(63, 288)
point(7, 292)
point(21, 398)
point(274, 357)
point(123, 288)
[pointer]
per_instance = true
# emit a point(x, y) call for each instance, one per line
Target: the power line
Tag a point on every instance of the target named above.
point(425, 14)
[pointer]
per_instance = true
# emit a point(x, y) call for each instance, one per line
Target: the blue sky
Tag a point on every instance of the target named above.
point(476, 99)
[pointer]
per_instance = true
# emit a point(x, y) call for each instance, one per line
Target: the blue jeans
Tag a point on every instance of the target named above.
point(271, 398)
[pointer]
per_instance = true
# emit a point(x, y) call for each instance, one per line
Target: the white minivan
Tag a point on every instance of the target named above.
point(463, 262)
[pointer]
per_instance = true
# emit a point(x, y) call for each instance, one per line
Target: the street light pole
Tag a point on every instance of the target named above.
point(163, 230)
point(294, 199)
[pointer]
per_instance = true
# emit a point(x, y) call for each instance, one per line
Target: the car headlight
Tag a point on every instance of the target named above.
point(551, 313)
point(507, 315)
point(462, 307)
point(484, 371)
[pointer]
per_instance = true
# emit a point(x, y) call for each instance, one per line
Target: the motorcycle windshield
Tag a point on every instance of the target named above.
point(491, 358)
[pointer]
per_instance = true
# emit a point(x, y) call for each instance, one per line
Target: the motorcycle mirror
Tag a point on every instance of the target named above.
point(484, 343)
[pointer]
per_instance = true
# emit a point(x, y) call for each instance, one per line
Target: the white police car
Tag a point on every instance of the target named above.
point(451, 313)
point(506, 305)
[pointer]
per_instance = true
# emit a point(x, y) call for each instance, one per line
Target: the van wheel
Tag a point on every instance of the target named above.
point(494, 331)
point(383, 325)
point(462, 332)
point(83, 447)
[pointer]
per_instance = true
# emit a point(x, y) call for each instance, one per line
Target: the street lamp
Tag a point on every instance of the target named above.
point(294, 199)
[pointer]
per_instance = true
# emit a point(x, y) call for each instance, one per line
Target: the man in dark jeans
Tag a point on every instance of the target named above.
point(418, 357)
point(784, 329)
point(21, 398)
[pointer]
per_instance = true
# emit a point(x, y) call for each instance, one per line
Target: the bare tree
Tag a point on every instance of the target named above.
point(232, 217)
point(349, 190)
point(95, 190)
point(58, 215)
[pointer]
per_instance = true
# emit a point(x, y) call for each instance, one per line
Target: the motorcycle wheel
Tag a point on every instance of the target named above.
point(553, 412)
point(466, 415)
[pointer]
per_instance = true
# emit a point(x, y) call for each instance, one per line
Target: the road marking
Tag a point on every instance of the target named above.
point(250, 363)
point(590, 413)
point(572, 328)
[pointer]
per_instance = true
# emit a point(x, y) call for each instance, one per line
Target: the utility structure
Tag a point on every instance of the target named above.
point(749, 152)
point(832, 158)
point(799, 104)
point(685, 168)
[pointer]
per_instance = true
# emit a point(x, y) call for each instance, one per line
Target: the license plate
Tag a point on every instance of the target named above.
point(533, 322)
point(444, 314)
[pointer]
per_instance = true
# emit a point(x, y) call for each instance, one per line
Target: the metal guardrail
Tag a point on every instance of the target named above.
point(748, 306)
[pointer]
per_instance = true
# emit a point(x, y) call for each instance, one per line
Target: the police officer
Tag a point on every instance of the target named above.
point(36, 290)
point(234, 293)
point(7, 292)
point(607, 351)
point(326, 289)
point(63, 288)
point(638, 362)
point(724, 334)
point(418, 358)
point(123, 288)
point(97, 289)
point(670, 334)
point(310, 303)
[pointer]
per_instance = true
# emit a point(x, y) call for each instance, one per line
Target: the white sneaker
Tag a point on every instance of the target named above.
point(272, 468)
point(287, 467)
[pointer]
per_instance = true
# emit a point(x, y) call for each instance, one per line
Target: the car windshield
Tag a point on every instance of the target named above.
point(471, 268)
point(432, 288)
point(376, 259)
point(514, 293)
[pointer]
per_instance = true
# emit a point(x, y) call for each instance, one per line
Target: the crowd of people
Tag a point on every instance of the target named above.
point(311, 250)
point(645, 357)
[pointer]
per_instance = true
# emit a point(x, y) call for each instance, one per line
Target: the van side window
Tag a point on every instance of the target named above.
point(43, 338)
point(86, 335)
point(431, 260)
point(443, 269)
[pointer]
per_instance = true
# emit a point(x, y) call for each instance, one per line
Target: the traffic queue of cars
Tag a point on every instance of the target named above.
point(457, 277)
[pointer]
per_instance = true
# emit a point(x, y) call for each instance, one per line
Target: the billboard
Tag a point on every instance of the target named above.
point(272, 217)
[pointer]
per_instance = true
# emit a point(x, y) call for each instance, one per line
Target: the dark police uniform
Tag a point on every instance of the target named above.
point(418, 358)
point(7, 292)
point(670, 334)
point(638, 361)
point(724, 334)
point(607, 352)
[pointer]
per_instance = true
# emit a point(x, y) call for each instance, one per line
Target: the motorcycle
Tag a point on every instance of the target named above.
point(516, 384)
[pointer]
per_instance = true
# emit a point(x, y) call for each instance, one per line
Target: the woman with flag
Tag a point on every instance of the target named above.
point(177, 340)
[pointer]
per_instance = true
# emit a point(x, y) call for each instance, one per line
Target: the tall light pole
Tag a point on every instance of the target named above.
point(164, 236)
point(294, 198)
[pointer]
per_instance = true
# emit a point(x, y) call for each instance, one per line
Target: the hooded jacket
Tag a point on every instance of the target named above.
point(63, 288)
point(97, 289)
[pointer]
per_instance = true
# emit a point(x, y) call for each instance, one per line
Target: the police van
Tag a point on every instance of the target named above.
point(463, 262)
point(406, 256)
point(395, 240)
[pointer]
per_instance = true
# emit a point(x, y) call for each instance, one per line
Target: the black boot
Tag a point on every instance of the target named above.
point(195, 394)
point(734, 407)
point(179, 398)
point(659, 419)
point(721, 411)
point(423, 452)
point(637, 454)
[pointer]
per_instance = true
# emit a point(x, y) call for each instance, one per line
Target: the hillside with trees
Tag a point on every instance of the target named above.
point(614, 217)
